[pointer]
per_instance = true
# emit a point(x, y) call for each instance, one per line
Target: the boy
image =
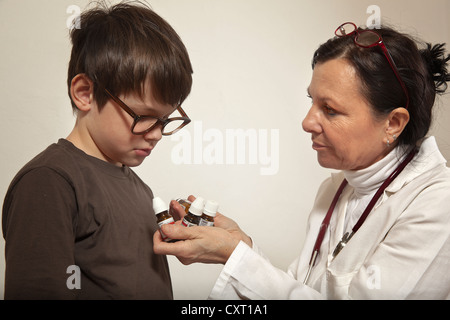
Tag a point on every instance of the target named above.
point(77, 221)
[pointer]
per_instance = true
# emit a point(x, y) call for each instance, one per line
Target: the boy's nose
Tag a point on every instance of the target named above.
point(155, 134)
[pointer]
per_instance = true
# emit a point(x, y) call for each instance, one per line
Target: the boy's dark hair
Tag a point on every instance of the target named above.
point(125, 46)
point(424, 72)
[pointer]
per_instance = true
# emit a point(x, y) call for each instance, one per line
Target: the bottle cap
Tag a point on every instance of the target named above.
point(196, 207)
point(211, 207)
point(159, 205)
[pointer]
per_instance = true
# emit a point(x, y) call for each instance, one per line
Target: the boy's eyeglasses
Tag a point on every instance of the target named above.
point(144, 124)
point(369, 39)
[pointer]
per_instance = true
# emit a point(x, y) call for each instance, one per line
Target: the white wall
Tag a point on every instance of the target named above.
point(252, 63)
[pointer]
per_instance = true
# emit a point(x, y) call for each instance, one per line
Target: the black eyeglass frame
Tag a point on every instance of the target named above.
point(340, 32)
point(159, 121)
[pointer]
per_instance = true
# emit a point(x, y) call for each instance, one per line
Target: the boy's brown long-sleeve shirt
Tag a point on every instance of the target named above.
point(66, 210)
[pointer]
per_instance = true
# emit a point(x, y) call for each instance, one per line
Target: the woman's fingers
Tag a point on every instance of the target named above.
point(197, 244)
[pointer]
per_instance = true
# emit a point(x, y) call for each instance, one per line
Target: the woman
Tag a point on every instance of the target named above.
point(379, 228)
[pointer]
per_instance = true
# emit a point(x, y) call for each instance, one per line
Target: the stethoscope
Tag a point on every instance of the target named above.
point(347, 236)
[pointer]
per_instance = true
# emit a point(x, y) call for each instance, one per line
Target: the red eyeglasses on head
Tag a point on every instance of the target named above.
point(369, 39)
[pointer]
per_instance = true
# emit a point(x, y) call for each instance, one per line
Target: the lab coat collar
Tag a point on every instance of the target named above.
point(428, 158)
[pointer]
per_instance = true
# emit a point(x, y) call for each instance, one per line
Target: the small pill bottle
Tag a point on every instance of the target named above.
point(195, 211)
point(162, 216)
point(209, 212)
point(184, 203)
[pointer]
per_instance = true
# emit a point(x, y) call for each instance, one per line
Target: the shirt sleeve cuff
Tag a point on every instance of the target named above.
point(219, 290)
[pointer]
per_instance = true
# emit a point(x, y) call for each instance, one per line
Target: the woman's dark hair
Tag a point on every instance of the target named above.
point(424, 72)
point(125, 46)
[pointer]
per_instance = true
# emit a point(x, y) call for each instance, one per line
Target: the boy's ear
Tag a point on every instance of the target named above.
point(82, 92)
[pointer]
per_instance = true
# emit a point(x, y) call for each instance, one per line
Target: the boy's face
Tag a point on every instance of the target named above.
point(110, 129)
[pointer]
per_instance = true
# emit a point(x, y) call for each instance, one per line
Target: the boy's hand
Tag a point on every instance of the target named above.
point(176, 210)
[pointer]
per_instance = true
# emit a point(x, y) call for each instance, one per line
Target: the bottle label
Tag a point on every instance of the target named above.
point(167, 221)
point(206, 223)
point(187, 223)
point(186, 204)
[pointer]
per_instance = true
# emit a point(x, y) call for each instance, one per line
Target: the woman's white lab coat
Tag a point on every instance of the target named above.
point(402, 251)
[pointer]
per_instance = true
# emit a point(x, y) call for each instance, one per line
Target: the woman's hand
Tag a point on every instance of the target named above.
point(200, 244)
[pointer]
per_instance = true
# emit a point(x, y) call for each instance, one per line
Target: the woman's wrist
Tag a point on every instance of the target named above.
point(247, 240)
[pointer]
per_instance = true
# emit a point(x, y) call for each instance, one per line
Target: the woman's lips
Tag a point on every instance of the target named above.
point(318, 146)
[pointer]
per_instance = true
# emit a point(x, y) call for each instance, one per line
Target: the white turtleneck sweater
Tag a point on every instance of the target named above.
point(366, 182)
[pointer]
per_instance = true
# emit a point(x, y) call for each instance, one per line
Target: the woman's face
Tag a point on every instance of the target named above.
point(344, 131)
